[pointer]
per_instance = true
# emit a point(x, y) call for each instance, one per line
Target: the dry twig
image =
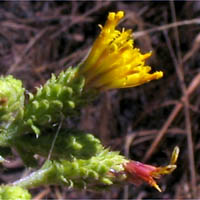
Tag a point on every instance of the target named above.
point(42, 194)
point(192, 87)
point(166, 27)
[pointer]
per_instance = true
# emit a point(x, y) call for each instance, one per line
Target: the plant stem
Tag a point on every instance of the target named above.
point(35, 179)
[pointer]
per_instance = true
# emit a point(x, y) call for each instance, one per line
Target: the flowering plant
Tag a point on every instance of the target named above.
point(75, 158)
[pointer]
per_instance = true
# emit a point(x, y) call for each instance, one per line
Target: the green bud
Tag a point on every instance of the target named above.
point(92, 173)
point(69, 144)
point(60, 96)
point(11, 100)
point(14, 192)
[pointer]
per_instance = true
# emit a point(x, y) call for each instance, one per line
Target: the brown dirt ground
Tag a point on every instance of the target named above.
point(144, 123)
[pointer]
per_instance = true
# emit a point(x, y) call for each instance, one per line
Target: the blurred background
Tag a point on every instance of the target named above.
point(144, 123)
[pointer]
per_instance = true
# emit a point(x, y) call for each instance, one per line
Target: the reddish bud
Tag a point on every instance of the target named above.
point(138, 172)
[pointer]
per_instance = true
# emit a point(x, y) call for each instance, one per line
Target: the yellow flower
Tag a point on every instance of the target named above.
point(113, 62)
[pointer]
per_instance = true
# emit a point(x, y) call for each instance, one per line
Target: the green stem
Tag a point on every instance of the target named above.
point(35, 179)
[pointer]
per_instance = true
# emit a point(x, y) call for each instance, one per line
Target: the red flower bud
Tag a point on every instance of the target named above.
point(138, 172)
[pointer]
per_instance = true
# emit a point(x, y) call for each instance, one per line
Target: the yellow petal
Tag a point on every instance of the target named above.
point(113, 61)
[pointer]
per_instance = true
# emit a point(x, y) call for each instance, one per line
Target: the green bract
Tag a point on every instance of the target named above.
point(11, 101)
point(61, 96)
point(77, 159)
point(95, 172)
point(69, 144)
point(14, 192)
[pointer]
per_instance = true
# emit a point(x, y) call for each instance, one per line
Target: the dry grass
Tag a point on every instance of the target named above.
point(144, 123)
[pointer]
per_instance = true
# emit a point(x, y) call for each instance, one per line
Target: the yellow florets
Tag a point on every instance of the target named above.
point(113, 62)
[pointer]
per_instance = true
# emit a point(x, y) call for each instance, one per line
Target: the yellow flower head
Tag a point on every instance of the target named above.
point(113, 62)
